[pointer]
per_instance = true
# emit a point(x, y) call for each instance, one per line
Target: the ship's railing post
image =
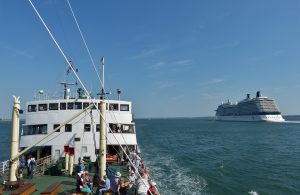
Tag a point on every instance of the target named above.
point(44, 164)
point(14, 139)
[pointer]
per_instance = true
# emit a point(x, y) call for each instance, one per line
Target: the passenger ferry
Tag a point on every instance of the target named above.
point(260, 108)
point(74, 129)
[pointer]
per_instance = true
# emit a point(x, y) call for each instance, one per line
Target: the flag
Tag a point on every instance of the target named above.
point(66, 149)
point(69, 68)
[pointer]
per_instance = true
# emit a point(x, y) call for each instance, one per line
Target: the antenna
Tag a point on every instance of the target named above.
point(102, 96)
point(65, 84)
point(119, 93)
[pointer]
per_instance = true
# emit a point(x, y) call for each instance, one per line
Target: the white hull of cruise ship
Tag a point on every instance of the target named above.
point(267, 118)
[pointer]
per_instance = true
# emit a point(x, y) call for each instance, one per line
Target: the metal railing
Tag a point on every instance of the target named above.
point(4, 170)
point(43, 165)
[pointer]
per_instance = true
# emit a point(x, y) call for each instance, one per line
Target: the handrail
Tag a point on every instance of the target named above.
point(4, 168)
point(43, 164)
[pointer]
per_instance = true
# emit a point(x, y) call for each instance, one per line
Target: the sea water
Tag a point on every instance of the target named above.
point(203, 156)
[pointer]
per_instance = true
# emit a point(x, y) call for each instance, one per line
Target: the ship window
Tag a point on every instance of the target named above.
point(78, 105)
point(127, 128)
point(115, 128)
point(63, 106)
point(84, 149)
point(68, 128)
point(85, 105)
point(113, 107)
point(97, 127)
point(53, 106)
point(70, 105)
point(124, 107)
point(42, 107)
point(77, 139)
point(34, 129)
point(31, 108)
point(57, 153)
point(42, 129)
point(55, 126)
point(87, 127)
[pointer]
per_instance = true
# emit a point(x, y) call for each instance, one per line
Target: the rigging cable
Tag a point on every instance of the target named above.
point(85, 44)
point(58, 46)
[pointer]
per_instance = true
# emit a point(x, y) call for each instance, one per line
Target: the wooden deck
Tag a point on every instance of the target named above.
point(68, 184)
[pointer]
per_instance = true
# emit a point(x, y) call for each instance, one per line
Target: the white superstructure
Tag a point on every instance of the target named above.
point(42, 116)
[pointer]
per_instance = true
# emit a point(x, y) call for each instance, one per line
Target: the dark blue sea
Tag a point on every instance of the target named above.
point(203, 156)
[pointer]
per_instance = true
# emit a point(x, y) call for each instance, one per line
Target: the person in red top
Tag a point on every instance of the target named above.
point(152, 190)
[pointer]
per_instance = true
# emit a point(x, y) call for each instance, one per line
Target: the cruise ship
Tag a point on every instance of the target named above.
point(259, 108)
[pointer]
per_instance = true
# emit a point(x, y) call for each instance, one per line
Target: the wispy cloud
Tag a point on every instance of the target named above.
point(276, 53)
point(207, 95)
point(232, 44)
point(178, 97)
point(199, 27)
point(182, 62)
point(213, 81)
point(223, 15)
point(171, 65)
point(164, 84)
point(144, 53)
point(267, 55)
point(17, 52)
point(158, 65)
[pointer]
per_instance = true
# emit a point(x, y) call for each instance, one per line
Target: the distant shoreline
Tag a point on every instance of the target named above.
point(4, 119)
point(202, 117)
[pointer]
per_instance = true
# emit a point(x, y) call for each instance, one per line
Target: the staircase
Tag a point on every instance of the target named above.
point(43, 164)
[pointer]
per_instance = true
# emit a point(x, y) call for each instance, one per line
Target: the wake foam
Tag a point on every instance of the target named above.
point(174, 179)
point(297, 122)
point(252, 192)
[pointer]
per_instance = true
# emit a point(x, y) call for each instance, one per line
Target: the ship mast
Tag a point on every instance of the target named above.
point(14, 139)
point(102, 143)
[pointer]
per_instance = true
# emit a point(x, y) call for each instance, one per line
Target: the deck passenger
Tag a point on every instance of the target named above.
point(31, 167)
point(88, 180)
point(28, 166)
point(142, 185)
point(22, 162)
point(116, 184)
point(106, 185)
point(82, 185)
point(152, 190)
point(132, 156)
point(132, 185)
point(19, 173)
point(81, 166)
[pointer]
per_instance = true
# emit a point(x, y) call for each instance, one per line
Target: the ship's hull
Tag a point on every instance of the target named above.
point(267, 118)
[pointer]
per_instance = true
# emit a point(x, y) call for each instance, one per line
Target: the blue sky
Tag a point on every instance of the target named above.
point(171, 58)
